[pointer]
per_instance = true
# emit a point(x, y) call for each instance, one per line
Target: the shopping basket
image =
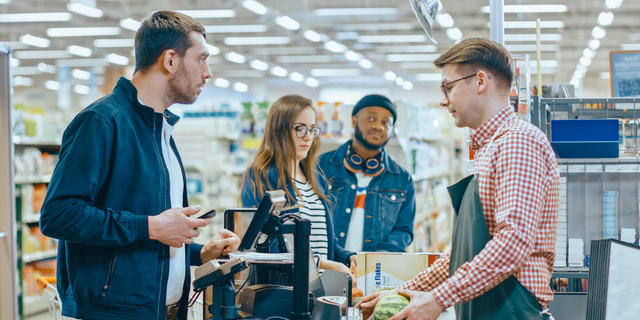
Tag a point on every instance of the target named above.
point(48, 284)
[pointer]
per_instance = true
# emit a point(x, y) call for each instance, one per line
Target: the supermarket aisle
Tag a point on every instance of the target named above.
point(39, 316)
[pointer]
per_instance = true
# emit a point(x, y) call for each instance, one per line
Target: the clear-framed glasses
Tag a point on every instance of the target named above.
point(443, 86)
point(301, 131)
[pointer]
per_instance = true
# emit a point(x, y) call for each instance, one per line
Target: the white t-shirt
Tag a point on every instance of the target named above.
point(177, 261)
point(355, 233)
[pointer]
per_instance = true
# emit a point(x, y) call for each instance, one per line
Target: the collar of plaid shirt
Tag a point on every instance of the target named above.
point(484, 134)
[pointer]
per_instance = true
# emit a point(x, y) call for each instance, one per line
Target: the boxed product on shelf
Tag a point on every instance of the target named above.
point(388, 270)
point(585, 138)
point(44, 268)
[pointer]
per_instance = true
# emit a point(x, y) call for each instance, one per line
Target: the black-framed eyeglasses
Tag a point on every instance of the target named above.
point(301, 131)
point(444, 90)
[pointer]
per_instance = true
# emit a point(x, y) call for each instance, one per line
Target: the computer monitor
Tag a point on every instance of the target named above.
point(272, 201)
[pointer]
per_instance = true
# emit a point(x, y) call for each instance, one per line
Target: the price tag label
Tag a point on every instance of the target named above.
point(611, 168)
point(628, 168)
point(562, 168)
point(576, 168)
point(593, 168)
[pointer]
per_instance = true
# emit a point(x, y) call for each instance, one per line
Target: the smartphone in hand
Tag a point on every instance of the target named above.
point(209, 214)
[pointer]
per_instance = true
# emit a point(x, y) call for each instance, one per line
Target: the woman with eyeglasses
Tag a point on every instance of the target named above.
point(288, 160)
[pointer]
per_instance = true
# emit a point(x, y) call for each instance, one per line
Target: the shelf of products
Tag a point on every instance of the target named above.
point(34, 163)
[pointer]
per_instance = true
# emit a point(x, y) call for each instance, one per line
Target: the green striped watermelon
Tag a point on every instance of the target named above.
point(389, 305)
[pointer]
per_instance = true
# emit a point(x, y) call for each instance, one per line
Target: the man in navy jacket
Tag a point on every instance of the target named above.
point(373, 197)
point(117, 198)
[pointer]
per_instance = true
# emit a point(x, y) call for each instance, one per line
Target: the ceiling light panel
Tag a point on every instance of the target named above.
point(376, 26)
point(199, 14)
point(531, 47)
point(335, 72)
point(312, 82)
point(279, 71)
point(117, 59)
point(435, 77)
point(287, 23)
point(532, 37)
point(235, 57)
point(81, 74)
point(221, 82)
point(305, 59)
point(83, 31)
point(84, 10)
point(254, 41)
point(254, 6)
point(392, 38)
point(406, 49)
point(312, 36)
point(130, 24)
point(79, 51)
point(530, 8)
point(411, 57)
point(35, 17)
point(42, 54)
point(355, 11)
point(35, 41)
point(113, 43)
point(296, 76)
point(244, 28)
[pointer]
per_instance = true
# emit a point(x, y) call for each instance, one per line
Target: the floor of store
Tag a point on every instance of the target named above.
point(39, 316)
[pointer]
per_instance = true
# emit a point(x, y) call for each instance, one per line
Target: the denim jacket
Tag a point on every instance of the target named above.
point(110, 178)
point(389, 208)
point(250, 199)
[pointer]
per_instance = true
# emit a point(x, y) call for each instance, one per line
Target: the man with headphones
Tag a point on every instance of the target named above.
point(372, 197)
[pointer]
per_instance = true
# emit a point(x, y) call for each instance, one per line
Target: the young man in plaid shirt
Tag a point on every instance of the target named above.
point(503, 246)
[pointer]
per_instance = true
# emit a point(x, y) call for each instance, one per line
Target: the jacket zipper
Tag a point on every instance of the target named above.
point(111, 267)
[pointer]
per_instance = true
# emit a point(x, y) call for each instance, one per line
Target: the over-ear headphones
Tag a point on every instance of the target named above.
point(370, 167)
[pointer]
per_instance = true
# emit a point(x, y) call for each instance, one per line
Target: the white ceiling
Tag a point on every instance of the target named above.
point(409, 58)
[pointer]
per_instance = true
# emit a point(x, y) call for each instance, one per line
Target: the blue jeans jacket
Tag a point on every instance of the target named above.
point(251, 199)
point(389, 208)
point(110, 178)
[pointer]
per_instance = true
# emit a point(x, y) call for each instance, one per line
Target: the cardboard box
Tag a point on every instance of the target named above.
point(389, 270)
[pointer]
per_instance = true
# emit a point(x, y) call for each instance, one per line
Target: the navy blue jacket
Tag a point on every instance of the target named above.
point(251, 199)
point(111, 176)
point(389, 208)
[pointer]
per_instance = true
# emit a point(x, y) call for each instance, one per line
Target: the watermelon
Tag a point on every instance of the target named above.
point(389, 305)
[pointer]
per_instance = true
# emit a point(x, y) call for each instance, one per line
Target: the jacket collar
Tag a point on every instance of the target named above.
point(338, 157)
point(129, 92)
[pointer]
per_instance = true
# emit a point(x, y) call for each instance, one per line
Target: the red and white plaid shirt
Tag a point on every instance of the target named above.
point(519, 186)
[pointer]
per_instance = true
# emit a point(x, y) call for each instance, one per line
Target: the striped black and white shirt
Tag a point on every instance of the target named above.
point(314, 211)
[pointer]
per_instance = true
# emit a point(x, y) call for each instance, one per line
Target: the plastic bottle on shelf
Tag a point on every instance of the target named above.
point(337, 125)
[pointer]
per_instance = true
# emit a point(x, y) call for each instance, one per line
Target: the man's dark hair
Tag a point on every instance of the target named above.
point(161, 31)
point(474, 54)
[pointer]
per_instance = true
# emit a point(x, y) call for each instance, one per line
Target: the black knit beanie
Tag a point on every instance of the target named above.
point(376, 100)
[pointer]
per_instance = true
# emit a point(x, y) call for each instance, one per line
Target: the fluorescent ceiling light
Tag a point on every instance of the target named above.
point(630, 46)
point(416, 65)
point(113, 43)
point(365, 63)
point(83, 31)
point(240, 87)
point(348, 35)
point(312, 36)
point(297, 77)
point(389, 75)
point(130, 24)
point(411, 57)
point(81, 74)
point(531, 47)
point(594, 44)
point(454, 34)
point(254, 6)
point(352, 55)
point(585, 61)
point(279, 71)
point(605, 75)
point(22, 81)
point(530, 8)
point(76, 63)
point(532, 37)
point(312, 82)
point(588, 53)
point(399, 81)
point(35, 41)
point(198, 14)
point(25, 71)
point(355, 11)
point(444, 20)
point(5, 1)
point(612, 4)
point(287, 23)
point(544, 64)
point(605, 18)
point(52, 85)
point(429, 76)
point(259, 65)
point(84, 10)
point(376, 26)
point(213, 50)
point(79, 51)
point(335, 47)
point(598, 32)
point(35, 17)
point(305, 59)
point(13, 62)
point(406, 49)
point(235, 57)
point(117, 59)
point(47, 68)
point(241, 28)
point(242, 74)
point(254, 41)
point(407, 85)
point(392, 38)
point(532, 24)
point(16, 45)
point(81, 89)
point(221, 82)
point(335, 72)
point(42, 54)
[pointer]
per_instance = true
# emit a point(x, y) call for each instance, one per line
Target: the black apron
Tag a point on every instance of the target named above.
point(509, 299)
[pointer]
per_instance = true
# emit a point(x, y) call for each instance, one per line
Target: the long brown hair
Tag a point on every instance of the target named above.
point(278, 148)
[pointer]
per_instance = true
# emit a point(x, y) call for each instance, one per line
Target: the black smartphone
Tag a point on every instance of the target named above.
point(209, 214)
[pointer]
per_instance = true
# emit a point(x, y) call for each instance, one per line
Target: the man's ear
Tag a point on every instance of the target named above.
point(483, 81)
point(354, 121)
point(169, 60)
